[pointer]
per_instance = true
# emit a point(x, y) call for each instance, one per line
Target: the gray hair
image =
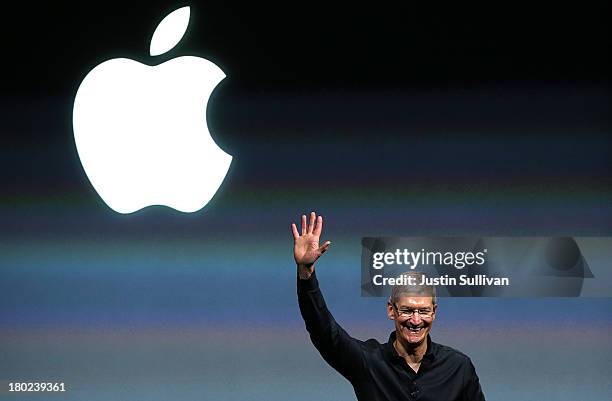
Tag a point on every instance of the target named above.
point(417, 289)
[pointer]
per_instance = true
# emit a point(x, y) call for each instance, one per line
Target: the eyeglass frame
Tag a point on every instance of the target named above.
point(409, 315)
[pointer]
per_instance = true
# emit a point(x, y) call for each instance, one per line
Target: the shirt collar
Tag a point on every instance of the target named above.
point(392, 352)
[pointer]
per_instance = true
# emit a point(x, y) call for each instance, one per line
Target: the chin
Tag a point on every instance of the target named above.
point(413, 340)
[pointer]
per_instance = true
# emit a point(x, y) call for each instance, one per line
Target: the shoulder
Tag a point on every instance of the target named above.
point(372, 346)
point(372, 343)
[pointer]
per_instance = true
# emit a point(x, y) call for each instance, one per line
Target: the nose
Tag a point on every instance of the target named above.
point(415, 318)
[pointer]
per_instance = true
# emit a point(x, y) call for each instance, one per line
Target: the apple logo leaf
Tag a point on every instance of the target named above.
point(169, 31)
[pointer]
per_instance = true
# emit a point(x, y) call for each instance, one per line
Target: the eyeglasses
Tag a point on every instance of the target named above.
point(424, 313)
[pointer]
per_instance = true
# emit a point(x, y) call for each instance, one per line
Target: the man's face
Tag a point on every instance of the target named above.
point(413, 317)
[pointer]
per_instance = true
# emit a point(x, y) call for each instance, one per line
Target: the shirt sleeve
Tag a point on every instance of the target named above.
point(340, 350)
point(472, 390)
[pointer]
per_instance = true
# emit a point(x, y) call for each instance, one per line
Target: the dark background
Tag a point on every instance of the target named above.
point(388, 118)
point(321, 44)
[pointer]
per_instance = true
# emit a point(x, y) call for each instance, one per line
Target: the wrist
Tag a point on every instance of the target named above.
point(305, 271)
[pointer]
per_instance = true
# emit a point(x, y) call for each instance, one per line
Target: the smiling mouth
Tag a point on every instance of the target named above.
point(414, 330)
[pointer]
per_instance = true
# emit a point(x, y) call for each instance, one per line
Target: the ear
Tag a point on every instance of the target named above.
point(435, 308)
point(390, 313)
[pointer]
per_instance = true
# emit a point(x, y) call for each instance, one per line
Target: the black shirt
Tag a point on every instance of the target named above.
point(375, 370)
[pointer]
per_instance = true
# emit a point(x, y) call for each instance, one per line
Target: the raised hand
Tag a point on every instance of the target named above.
point(306, 249)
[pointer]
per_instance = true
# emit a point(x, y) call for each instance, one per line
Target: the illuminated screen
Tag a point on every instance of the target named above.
point(388, 120)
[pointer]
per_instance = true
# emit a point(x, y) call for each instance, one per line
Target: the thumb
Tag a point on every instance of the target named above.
point(324, 247)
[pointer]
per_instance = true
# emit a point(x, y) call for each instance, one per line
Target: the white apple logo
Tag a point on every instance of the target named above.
point(141, 130)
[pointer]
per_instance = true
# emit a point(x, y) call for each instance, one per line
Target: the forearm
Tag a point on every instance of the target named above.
point(325, 333)
point(312, 306)
point(339, 349)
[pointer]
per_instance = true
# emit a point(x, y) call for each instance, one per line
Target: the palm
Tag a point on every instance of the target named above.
point(306, 249)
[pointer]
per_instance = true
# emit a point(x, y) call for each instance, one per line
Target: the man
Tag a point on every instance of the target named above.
point(409, 366)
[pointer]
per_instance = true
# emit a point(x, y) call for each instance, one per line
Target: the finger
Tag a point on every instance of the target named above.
point(319, 226)
point(296, 235)
point(312, 221)
point(303, 224)
point(324, 247)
